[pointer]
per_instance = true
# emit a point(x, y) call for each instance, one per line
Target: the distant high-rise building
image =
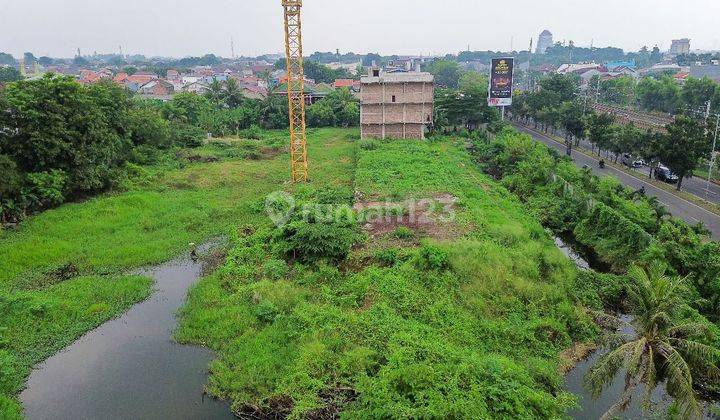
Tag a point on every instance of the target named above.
point(680, 46)
point(545, 41)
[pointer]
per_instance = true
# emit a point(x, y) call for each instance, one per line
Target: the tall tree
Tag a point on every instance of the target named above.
point(697, 92)
point(215, 93)
point(9, 74)
point(600, 128)
point(447, 73)
point(6, 59)
point(685, 144)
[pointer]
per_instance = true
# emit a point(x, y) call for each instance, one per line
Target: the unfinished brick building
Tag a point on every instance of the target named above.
point(396, 105)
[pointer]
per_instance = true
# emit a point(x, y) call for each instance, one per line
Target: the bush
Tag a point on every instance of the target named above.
point(433, 258)
point(275, 269)
point(46, 189)
point(387, 257)
point(185, 135)
point(368, 144)
point(404, 233)
point(312, 242)
point(615, 239)
point(254, 133)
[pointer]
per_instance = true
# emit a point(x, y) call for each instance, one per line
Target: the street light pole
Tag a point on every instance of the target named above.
point(712, 156)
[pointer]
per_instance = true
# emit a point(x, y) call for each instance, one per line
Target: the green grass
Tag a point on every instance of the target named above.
point(469, 327)
point(98, 240)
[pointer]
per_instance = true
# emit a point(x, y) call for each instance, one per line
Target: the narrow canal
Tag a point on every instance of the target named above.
point(130, 368)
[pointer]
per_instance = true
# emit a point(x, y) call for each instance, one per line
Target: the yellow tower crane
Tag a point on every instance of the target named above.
point(295, 90)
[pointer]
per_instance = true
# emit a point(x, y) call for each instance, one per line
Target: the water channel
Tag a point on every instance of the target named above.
point(129, 367)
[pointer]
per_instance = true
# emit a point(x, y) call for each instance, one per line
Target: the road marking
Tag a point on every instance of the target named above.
point(621, 172)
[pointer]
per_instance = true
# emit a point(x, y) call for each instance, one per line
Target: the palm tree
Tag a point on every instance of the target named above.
point(660, 210)
point(215, 93)
point(232, 93)
point(664, 349)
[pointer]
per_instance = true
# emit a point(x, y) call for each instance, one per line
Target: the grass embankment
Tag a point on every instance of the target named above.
point(464, 319)
point(62, 272)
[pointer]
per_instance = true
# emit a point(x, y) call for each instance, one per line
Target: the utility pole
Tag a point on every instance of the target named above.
point(712, 156)
point(232, 48)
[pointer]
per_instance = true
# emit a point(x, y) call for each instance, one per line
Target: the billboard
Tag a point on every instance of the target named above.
point(501, 82)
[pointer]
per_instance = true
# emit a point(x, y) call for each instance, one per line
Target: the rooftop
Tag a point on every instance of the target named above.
point(408, 77)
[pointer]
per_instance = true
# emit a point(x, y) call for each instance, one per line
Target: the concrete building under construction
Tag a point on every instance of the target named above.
point(396, 105)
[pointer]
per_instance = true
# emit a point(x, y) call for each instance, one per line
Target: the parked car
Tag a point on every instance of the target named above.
point(626, 159)
point(664, 174)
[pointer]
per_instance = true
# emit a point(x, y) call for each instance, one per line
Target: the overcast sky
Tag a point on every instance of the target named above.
point(195, 27)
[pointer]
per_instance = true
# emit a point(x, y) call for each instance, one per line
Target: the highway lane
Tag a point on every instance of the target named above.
point(677, 206)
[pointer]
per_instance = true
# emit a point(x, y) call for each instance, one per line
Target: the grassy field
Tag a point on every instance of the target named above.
point(462, 318)
point(62, 272)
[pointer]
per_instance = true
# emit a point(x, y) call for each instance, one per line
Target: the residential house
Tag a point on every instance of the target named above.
point(195, 87)
point(253, 92)
point(173, 75)
point(353, 85)
point(157, 87)
point(712, 72)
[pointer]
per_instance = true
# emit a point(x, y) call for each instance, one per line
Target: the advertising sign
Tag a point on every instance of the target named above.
point(501, 82)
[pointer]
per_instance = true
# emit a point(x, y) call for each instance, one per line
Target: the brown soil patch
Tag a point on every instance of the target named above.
point(433, 217)
point(574, 354)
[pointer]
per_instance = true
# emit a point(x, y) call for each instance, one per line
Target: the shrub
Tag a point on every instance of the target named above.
point(275, 269)
point(46, 188)
point(432, 257)
point(333, 195)
point(8, 375)
point(185, 135)
point(387, 257)
point(404, 233)
point(312, 242)
point(254, 133)
point(368, 144)
point(615, 239)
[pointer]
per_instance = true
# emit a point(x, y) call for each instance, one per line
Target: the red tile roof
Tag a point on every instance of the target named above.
point(121, 77)
point(340, 83)
point(141, 79)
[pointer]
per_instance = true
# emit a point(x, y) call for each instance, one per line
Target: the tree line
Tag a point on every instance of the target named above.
point(557, 105)
point(60, 140)
point(657, 93)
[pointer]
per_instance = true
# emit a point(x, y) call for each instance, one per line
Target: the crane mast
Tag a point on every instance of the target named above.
point(295, 90)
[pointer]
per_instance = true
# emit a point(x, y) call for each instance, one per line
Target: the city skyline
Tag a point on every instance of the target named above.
point(184, 28)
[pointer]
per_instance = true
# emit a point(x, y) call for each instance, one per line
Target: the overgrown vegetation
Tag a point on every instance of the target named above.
point(619, 225)
point(622, 228)
point(63, 271)
point(61, 141)
point(408, 324)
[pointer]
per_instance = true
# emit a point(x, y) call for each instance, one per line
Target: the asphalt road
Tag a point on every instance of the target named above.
point(696, 186)
point(677, 206)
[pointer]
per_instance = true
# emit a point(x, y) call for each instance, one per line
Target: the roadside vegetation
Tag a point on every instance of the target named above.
point(683, 146)
point(619, 229)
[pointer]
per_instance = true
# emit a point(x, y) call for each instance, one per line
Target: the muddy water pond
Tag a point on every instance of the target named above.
point(130, 368)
